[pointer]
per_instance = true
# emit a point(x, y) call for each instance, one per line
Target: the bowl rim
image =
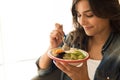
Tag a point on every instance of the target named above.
point(68, 61)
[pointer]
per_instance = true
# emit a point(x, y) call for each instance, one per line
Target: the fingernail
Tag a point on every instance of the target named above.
point(54, 61)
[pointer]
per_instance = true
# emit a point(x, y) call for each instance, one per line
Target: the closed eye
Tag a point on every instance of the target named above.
point(89, 15)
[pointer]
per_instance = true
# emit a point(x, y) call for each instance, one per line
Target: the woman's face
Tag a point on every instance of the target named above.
point(92, 24)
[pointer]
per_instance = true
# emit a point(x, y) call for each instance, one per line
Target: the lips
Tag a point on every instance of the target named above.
point(88, 28)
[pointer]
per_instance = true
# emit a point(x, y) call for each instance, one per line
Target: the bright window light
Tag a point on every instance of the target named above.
point(24, 33)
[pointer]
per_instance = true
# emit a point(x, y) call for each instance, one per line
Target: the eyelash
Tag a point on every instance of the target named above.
point(89, 15)
point(86, 15)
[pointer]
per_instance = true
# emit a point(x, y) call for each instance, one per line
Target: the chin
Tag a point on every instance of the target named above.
point(89, 34)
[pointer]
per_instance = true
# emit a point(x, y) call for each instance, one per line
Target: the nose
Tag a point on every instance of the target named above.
point(82, 20)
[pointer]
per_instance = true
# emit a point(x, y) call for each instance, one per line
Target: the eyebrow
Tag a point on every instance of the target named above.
point(86, 11)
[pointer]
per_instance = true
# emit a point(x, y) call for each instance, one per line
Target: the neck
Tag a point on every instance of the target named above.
point(99, 39)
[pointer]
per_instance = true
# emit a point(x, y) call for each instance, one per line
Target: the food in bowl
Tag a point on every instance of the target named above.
point(73, 56)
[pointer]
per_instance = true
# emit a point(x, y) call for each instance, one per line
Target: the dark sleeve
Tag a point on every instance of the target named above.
point(42, 72)
point(52, 67)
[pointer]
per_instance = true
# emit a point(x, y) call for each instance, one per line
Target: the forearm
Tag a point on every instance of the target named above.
point(44, 61)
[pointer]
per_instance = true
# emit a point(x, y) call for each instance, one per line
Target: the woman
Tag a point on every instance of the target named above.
point(97, 30)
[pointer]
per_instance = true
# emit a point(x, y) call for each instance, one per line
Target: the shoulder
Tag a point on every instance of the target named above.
point(114, 45)
point(116, 38)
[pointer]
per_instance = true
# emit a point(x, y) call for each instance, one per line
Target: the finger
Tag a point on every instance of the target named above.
point(61, 67)
point(65, 67)
point(59, 27)
point(68, 66)
point(56, 34)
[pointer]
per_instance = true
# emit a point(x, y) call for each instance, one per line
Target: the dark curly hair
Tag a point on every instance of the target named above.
point(109, 9)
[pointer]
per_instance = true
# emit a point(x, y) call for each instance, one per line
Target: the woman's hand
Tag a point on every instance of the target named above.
point(56, 36)
point(75, 73)
point(55, 40)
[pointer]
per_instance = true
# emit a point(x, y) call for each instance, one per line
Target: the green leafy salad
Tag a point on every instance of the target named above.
point(73, 54)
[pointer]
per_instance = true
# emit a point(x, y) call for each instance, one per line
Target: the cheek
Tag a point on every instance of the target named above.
point(94, 22)
point(100, 22)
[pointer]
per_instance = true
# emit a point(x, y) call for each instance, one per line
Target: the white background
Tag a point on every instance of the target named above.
point(24, 33)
